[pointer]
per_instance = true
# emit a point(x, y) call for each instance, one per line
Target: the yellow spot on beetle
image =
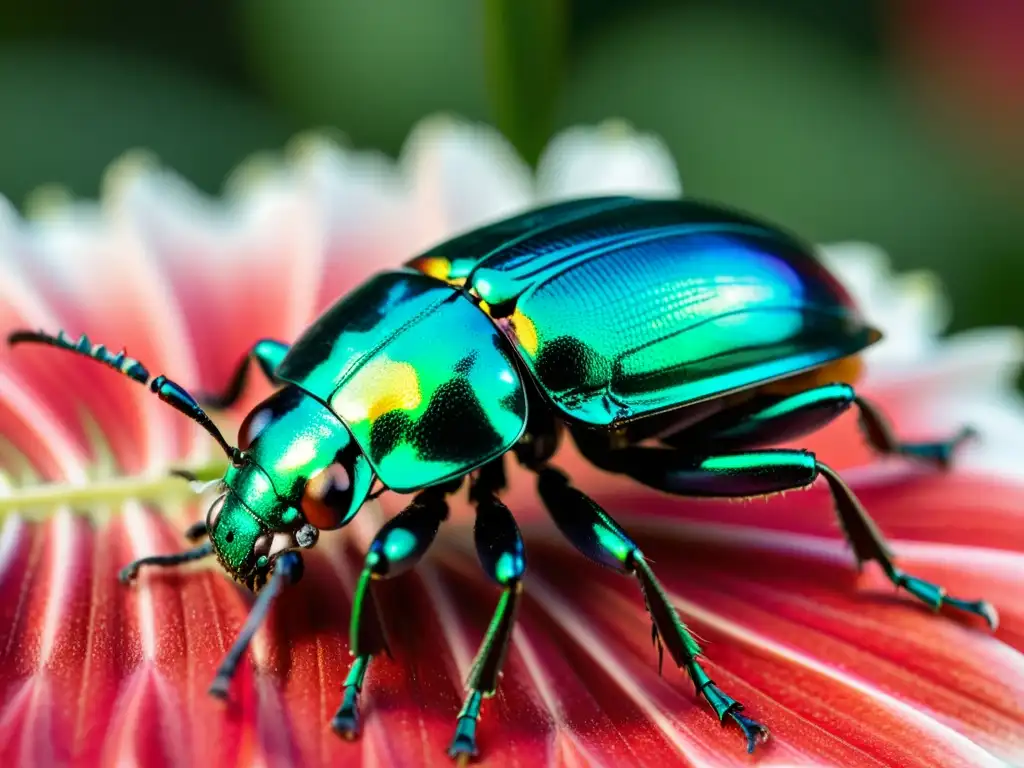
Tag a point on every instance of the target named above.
point(526, 332)
point(435, 266)
point(380, 386)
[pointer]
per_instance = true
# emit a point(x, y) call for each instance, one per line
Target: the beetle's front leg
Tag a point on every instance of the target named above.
point(594, 533)
point(130, 571)
point(267, 353)
point(287, 571)
point(764, 472)
point(197, 531)
point(396, 548)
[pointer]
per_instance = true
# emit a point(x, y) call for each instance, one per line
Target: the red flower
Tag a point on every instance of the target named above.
point(843, 670)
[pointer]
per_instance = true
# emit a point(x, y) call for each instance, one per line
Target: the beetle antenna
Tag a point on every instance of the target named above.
point(171, 393)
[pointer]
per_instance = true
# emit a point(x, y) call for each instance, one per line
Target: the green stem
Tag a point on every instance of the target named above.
point(36, 500)
point(525, 46)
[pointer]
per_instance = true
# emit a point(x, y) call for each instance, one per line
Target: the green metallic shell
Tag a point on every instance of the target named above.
point(624, 308)
point(425, 382)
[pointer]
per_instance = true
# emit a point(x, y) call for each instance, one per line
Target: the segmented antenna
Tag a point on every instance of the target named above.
point(171, 393)
point(120, 362)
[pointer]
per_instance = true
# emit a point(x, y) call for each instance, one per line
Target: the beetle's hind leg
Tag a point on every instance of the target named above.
point(595, 534)
point(770, 418)
point(882, 438)
point(396, 548)
point(758, 473)
point(869, 544)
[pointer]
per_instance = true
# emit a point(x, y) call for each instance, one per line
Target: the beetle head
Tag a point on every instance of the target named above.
point(244, 547)
point(299, 472)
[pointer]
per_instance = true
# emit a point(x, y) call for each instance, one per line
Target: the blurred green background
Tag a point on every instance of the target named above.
point(901, 122)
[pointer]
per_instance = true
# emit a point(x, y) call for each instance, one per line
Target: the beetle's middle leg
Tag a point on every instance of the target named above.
point(758, 473)
point(767, 419)
point(597, 536)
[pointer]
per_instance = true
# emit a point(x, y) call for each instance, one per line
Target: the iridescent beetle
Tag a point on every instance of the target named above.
point(672, 339)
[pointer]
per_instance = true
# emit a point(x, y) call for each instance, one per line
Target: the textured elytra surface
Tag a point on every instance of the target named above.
point(626, 307)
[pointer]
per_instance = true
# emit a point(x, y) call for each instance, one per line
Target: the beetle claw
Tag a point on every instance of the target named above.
point(219, 688)
point(935, 596)
point(753, 730)
point(463, 747)
point(346, 722)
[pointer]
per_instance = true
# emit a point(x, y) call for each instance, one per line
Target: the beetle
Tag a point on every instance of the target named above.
point(675, 341)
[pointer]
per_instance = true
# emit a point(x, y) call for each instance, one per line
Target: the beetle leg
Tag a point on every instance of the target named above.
point(196, 531)
point(396, 548)
point(267, 353)
point(500, 549)
point(130, 571)
point(770, 419)
point(287, 571)
point(881, 437)
point(762, 472)
point(595, 534)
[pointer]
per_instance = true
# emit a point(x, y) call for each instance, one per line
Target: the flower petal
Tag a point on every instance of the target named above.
point(608, 159)
point(463, 175)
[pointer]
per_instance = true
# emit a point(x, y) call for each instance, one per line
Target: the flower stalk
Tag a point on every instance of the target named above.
point(38, 501)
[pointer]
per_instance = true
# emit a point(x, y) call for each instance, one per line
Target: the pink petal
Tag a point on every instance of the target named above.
point(842, 672)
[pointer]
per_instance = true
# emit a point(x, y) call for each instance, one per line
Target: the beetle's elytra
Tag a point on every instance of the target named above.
point(673, 340)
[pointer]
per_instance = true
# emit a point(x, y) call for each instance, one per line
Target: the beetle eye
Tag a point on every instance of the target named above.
point(214, 514)
point(258, 420)
point(327, 497)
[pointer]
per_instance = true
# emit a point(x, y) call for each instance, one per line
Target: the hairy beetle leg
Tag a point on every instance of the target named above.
point(868, 544)
point(669, 629)
point(757, 473)
point(595, 534)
